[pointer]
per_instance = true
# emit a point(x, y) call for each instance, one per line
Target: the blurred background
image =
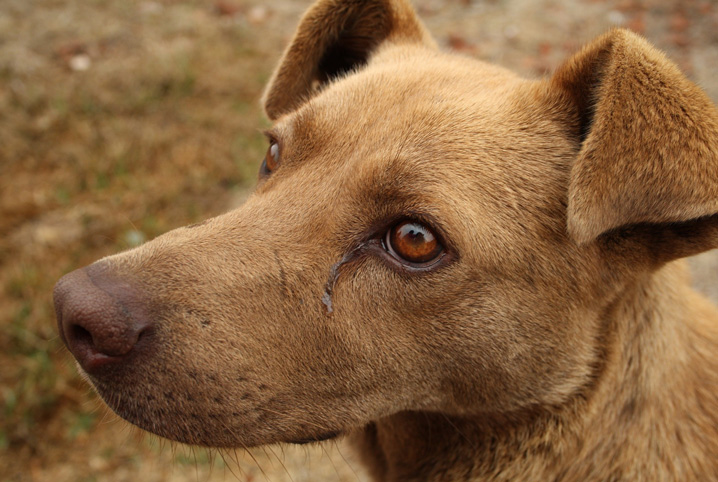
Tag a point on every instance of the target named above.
point(122, 119)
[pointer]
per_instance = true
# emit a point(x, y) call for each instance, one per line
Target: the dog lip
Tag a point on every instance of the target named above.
point(93, 361)
point(319, 438)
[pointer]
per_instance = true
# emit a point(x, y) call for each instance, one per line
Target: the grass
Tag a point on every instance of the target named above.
point(159, 131)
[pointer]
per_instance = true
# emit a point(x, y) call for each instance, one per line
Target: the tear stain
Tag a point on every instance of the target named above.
point(334, 275)
point(327, 300)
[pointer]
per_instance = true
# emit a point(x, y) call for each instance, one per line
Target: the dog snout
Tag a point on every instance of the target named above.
point(101, 318)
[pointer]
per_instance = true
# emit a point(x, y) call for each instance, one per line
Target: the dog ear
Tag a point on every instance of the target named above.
point(334, 37)
point(649, 143)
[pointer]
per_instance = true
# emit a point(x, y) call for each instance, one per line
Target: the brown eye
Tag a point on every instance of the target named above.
point(271, 159)
point(413, 242)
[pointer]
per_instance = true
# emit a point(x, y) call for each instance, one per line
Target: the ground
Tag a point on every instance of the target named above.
point(122, 119)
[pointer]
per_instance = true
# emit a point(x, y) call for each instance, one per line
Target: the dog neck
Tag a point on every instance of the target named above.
point(641, 372)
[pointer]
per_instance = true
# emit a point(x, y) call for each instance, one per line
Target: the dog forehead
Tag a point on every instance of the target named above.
point(419, 106)
point(412, 97)
point(414, 90)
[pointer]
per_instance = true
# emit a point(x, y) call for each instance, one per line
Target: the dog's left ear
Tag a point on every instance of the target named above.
point(649, 144)
point(335, 37)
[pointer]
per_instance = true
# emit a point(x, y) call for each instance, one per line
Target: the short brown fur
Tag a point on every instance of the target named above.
point(558, 339)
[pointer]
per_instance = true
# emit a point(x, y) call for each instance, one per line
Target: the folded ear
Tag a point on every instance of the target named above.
point(334, 37)
point(649, 150)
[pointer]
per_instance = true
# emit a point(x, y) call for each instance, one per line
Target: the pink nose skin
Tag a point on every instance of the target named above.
point(102, 318)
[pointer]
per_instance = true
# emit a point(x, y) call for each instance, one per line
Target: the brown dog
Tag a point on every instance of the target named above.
point(468, 273)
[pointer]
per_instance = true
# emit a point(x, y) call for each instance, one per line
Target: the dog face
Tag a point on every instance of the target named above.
point(429, 233)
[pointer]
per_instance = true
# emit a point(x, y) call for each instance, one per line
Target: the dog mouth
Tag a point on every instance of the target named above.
point(198, 419)
point(319, 438)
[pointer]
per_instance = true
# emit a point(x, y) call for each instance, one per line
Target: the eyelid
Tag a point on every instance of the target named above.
point(273, 139)
point(374, 239)
point(420, 216)
point(272, 136)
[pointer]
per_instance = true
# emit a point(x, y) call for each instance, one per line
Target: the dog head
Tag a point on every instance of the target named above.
point(429, 233)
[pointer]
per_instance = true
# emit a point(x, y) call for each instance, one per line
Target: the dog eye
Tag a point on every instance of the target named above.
point(271, 158)
point(413, 242)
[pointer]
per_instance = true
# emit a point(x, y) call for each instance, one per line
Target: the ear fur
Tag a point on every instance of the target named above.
point(334, 37)
point(649, 150)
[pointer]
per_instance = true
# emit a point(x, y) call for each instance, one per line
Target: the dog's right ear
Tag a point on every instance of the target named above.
point(648, 157)
point(335, 37)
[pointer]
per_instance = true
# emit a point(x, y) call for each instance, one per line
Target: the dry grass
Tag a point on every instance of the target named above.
point(118, 120)
point(122, 119)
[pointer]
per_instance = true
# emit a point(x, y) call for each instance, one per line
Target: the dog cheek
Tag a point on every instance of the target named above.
point(387, 323)
point(522, 353)
point(480, 345)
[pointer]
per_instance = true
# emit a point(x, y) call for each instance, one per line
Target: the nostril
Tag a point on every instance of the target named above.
point(81, 336)
point(105, 340)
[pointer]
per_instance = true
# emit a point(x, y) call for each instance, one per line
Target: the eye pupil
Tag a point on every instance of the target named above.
point(413, 242)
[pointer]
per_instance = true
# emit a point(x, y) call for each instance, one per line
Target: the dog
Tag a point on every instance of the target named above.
point(469, 275)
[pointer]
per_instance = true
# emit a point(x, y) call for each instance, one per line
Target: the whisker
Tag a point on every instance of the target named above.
point(351, 467)
point(281, 462)
point(256, 462)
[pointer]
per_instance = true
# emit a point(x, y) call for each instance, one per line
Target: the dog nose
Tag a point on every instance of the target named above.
point(101, 317)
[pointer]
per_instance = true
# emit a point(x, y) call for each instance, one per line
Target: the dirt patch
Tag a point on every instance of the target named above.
point(121, 120)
